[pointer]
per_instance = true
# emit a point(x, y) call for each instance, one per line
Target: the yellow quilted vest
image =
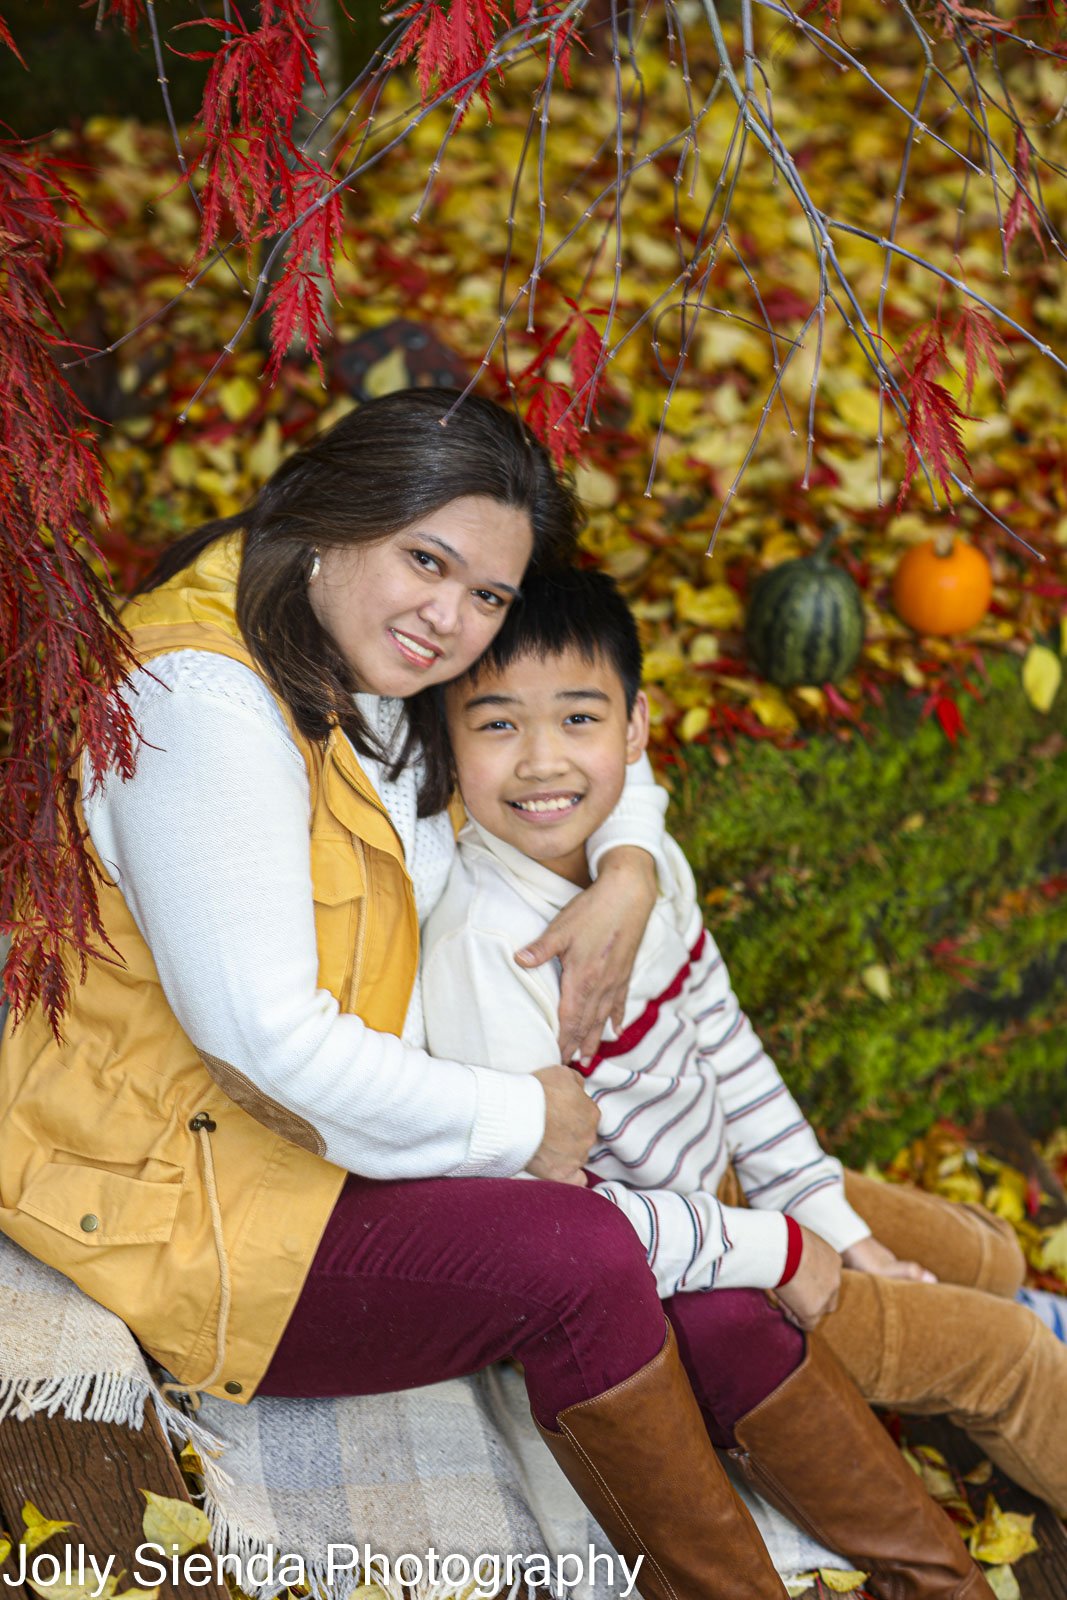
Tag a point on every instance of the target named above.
point(103, 1171)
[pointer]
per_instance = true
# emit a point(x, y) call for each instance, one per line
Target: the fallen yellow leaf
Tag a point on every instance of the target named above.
point(1042, 674)
point(932, 1468)
point(859, 408)
point(595, 487)
point(1001, 1536)
point(75, 1591)
point(386, 375)
point(38, 1527)
point(174, 1525)
point(5, 1550)
point(238, 398)
point(1054, 1251)
point(1003, 1582)
point(266, 453)
point(876, 979)
point(663, 664)
point(1007, 1197)
point(815, 698)
point(717, 606)
point(183, 463)
point(703, 647)
point(979, 1474)
point(693, 723)
point(773, 710)
point(794, 1586)
point(840, 1581)
point(780, 546)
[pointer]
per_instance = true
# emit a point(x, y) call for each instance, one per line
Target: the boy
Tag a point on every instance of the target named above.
point(542, 735)
point(690, 1105)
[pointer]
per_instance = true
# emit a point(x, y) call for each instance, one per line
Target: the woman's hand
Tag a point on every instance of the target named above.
point(571, 1119)
point(812, 1291)
point(596, 937)
point(870, 1255)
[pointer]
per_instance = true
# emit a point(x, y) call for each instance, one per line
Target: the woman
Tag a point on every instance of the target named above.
point(240, 1147)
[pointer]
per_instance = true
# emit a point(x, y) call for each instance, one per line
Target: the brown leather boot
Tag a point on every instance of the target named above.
point(814, 1449)
point(640, 1457)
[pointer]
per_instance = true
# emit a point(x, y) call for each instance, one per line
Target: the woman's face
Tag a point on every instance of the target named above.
point(419, 606)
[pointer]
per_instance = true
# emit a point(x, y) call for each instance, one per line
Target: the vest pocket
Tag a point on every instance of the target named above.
point(338, 886)
point(336, 871)
point(97, 1207)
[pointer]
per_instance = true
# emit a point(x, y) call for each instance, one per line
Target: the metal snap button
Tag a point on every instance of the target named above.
point(89, 1223)
point(233, 1388)
point(202, 1120)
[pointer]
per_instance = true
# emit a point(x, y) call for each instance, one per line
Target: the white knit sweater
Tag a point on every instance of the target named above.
point(208, 843)
point(686, 1087)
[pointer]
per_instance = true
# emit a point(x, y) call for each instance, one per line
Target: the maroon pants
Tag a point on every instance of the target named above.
point(416, 1281)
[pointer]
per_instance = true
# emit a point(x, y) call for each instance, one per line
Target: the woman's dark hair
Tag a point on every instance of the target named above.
point(382, 467)
point(571, 609)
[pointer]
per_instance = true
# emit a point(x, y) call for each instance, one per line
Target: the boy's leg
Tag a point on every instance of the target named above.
point(984, 1362)
point(962, 1244)
point(802, 1434)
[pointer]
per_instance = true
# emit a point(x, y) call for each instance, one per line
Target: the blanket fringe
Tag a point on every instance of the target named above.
point(83, 1397)
point(109, 1397)
point(182, 1429)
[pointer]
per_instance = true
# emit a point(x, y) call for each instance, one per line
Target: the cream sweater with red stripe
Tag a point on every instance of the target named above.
point(686, 1087)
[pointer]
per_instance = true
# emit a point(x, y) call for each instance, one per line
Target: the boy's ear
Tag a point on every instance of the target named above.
point(637, 729)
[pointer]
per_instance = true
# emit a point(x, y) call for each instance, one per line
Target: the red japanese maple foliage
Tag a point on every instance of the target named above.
point(255, 176)
point(61, 649)
point(934, 417)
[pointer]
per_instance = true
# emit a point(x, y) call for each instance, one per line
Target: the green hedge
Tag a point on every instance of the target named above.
point(821, 862)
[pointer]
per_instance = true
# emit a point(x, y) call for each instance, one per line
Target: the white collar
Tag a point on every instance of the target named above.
point(547, 885)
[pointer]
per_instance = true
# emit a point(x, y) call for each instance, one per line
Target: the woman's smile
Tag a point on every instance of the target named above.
point(419, 652)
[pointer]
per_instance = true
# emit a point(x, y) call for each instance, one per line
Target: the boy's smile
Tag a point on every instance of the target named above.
point(541, 752)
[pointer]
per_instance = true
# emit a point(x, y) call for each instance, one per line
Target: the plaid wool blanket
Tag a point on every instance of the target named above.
point(341, 1487)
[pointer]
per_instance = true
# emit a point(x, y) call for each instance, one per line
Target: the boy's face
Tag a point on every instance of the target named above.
point(542, 750)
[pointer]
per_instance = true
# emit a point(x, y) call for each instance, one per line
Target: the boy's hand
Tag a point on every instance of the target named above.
point(596, 937)
point(571, 1120)
point(871, 1255)
point(811, 1293)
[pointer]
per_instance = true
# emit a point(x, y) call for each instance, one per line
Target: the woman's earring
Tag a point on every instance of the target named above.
point(315, 566)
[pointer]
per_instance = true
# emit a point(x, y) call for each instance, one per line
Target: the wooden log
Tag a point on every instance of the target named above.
point(1042, 1575)
point(91, 1474)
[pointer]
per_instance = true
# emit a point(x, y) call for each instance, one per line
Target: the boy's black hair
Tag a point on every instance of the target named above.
point(569, 608)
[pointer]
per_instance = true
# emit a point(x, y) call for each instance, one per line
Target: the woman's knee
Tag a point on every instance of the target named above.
point(737, 1348)
point(741, 1325)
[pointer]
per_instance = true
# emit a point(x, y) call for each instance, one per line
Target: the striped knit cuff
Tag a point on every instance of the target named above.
point(794, 1251)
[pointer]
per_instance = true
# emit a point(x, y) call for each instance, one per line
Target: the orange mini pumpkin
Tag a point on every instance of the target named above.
point(942, 586)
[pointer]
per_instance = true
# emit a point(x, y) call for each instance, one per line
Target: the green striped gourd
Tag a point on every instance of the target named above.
point(805, 621)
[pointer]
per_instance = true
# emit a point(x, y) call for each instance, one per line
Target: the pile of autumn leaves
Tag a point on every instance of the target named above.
point(165, 475)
